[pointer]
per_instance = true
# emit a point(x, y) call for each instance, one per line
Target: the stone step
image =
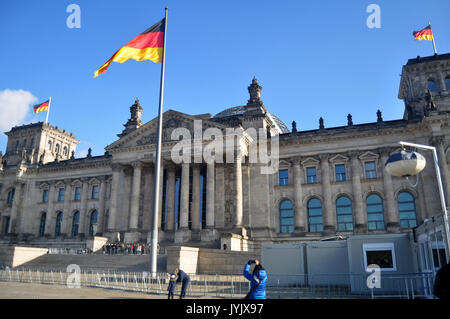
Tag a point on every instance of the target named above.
point(97, 262)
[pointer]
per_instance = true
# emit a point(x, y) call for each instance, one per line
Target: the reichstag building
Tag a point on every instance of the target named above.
point(330, 181)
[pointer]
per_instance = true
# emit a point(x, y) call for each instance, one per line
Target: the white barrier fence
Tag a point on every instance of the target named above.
point(408, 286)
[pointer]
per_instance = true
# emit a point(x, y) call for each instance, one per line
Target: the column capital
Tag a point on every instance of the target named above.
point(116, 167)
point(136, 164)
point(354, 155)
point(386, 151)
point(324, 157)
point(437, 140)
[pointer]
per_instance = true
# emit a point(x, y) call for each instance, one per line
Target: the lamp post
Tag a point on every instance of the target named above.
point(441, 189)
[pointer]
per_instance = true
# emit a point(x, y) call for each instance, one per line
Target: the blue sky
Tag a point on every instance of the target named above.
point(312, 58)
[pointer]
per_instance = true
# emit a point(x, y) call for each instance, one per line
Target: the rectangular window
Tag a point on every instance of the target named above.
point(382, 254)
point(340, 172)
point(370, 169)
point(45, 196)
point(95, 192)
point(311, 175)
point(77, 193)
point(284, 177)
point(61, 195)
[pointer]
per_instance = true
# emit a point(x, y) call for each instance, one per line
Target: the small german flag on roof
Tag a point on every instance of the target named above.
point(424, 34)
point(41, 107)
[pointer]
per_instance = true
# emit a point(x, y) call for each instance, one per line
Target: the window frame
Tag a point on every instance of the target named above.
point(309, 216)
point(374, 213)
point(380, 247)
point(344, 214)
point(61, 194)
point(434, 84)
point(58, 223)
point(77, 193)
point(374, 169)
point(45, 195)
point(77, 224)
point(315, 175)
point(336, 174)
point(402, 211)
point(95, 194)
point(283, 181)
point(281, 218)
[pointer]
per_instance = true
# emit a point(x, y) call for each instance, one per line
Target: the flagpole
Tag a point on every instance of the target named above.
point(154, 238)
point(48, 111)
point(434, 44)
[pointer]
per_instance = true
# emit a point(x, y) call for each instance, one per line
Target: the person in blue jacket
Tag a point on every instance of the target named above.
point(184, 279)
point(258, 280)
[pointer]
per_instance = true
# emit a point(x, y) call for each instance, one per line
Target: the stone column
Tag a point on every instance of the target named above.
point(438, 142)
point(210, 190)
point(238, 195)
point(84, 208)
point(184, 196)
point(392, 217)
point(52, 193)
point(329, 214)
point(195, 213)
point(102, 204)
point(132, 235)
point(358, 212)
point(300, 213)
point(171, 175)
point(208, 234)
point(135, 192)
point(112, 227)
point(65, 230)
point(15, 214)
point(182, 233)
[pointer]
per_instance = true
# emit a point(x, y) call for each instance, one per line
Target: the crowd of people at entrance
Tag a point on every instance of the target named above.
point(127, 249)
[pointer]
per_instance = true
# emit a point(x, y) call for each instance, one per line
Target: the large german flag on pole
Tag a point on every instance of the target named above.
point(146, 46)
point(424, 34)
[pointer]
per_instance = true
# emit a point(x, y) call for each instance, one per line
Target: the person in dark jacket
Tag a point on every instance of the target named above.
point(441, 287)
point(184, 279)
point(172, 285)
point(258, 280)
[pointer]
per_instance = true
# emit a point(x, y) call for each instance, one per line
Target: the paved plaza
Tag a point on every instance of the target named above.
point(14, 290)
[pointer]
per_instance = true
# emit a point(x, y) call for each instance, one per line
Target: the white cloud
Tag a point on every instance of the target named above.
point(14, 107)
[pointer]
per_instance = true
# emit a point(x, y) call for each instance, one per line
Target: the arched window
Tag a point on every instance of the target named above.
point(447, 82)
point(10, 197)
point(57, 148)
point(42, 224)
point(64, 153)
point(93, 224)
point(49, 145)
point(286, 216)
point(375, 214)
point(59, 219)
point(432, 85)
point(75, 223)
point(344, 214)
point(407, 210)
point(315, 219)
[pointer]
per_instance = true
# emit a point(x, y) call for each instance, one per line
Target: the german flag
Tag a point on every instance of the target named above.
point(424, 34)
point(146, 46)
point(41, 107)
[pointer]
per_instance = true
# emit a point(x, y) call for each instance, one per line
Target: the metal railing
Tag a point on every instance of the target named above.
point(279, 286)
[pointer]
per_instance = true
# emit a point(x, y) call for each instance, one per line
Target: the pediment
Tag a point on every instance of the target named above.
point(147, 133)
point(339, 158)
point(368, 155)
point(310, 161)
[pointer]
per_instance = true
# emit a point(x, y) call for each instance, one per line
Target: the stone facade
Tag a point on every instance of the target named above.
point(323, 186)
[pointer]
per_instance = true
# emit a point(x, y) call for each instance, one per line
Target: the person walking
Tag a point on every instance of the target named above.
point(184, 279)
point(172, 286)
point(258, 280)
point(441, 287)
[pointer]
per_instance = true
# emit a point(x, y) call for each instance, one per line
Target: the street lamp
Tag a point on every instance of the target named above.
point(413, 165)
